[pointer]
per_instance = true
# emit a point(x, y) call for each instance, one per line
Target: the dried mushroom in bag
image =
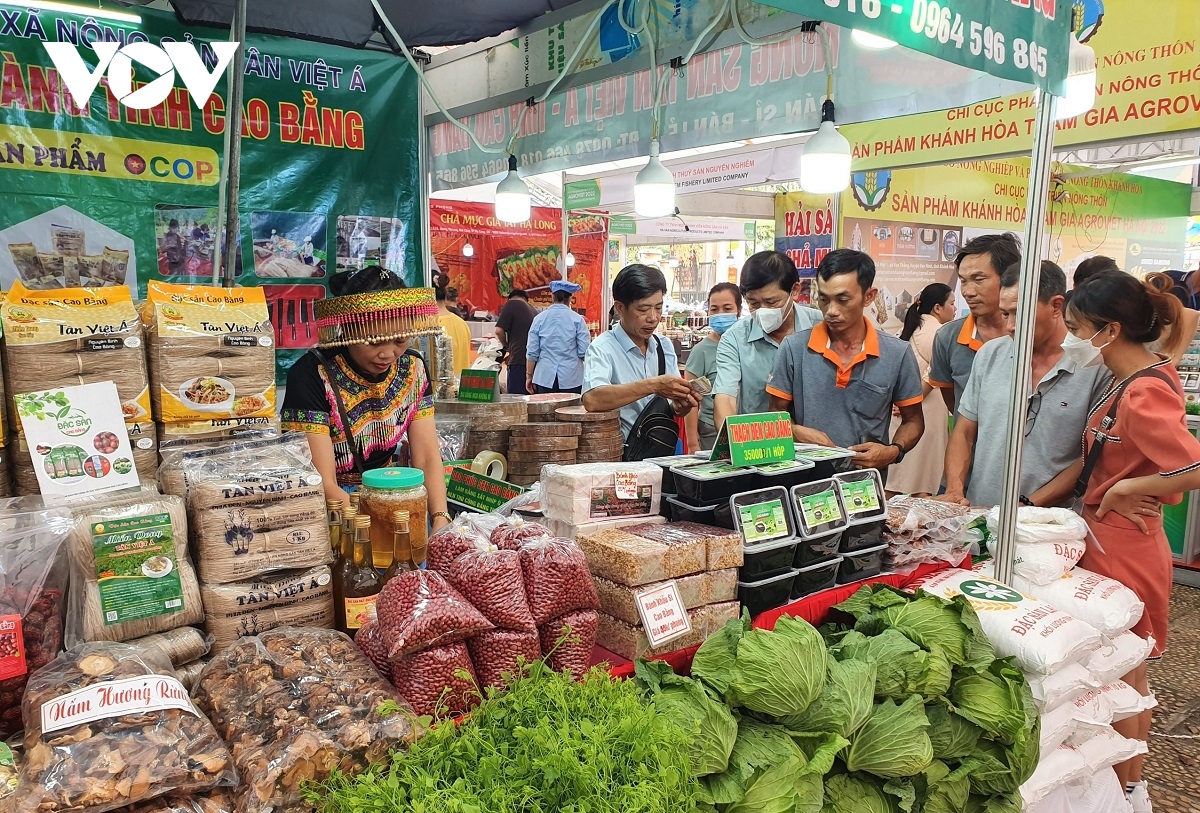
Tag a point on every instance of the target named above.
point(299, 703)
point(108, 725)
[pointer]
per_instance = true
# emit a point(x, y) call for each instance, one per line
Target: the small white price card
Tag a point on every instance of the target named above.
point(627, 485)
point(663, 615)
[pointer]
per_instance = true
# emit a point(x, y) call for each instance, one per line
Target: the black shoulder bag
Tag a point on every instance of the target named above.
point(655, 433)
point(360, 465)
point(1102, 436)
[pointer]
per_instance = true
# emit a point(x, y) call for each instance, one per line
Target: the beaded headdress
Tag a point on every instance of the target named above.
point(377, 316)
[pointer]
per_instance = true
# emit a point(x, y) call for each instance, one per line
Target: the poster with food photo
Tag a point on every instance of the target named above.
point(64, 248)
point(288, 244)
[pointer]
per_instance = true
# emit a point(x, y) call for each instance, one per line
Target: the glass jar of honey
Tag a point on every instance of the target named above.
point(383, 493)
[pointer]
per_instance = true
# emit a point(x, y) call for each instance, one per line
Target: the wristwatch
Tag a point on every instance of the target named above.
point(441, 514)
point(1023, 500)
point(900, 449)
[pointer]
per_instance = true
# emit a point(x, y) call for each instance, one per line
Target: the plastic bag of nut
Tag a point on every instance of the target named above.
point(300, 703)
point(502, 652)
point(513, 531)
point(418, 610)
point(438, 681)
point(568, 641)
point(33, 580)
point(108, 725)
point(492, 581)
point(370, 640)
point(557, 579)
point(451, 542)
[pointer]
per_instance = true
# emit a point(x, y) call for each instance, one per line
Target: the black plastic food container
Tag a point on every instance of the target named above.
point(775, 504)
point(666, 463)
point(811, 551)
point(862, 565)
point(816, 577)
point(766, 594)
point(786, 475)
point(684, 511)
point(700, 486)
point(767, 559)
point(860, 537)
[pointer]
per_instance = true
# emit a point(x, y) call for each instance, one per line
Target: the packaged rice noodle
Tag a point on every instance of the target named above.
point(212, 352)
point(113, 265)
point(87, 267)
point(25, 258)
point(53, 270)
point(74, 336)
point(67, 241)
point(293, 598)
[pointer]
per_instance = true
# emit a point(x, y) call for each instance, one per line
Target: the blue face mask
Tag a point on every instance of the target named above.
point(721, 322)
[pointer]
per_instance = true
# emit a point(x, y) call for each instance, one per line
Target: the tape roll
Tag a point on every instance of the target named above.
point(490, 464)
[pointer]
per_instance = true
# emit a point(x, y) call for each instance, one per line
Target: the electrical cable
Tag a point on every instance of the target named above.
point(740, 28)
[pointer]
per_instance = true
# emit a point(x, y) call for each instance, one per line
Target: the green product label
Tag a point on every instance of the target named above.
point(820, 454)
point(582, 194)
point(756, 440)
point(479, 492)
point(712, 471)
point(860, 496)
point(763, 521)
point(781, 468)
point(821, 508)
point(479, 385)
point(986, 590)
point(136, 568)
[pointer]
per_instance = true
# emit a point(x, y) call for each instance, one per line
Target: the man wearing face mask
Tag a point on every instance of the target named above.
point(746, 353)
point(1066, 385)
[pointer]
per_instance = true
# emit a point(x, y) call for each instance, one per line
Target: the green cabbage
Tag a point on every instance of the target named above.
point(779, 672)
point(952, 736)
point(903, 668)
point(894, 741)
point(1005, 803)
point(942, 790)
point(844, 704)
point(857, 793)
point(714, 661)
point(767, 773)
point(992, 700)
point(710, 722)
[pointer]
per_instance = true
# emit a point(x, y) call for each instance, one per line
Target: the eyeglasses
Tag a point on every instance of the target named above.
point(1031, 411)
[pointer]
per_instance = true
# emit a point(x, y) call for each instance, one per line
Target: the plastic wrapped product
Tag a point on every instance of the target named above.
point(696, 590)
point(433, 682)
point(180, 646)
point(723, 547)
point(419, 609)
point(451, 542)
point(568, 642)
point(557, 579)
point(632, 560)
point(593, 491)
point(220, 800)
point(493, 582)
point(130, 570)
point(369, 639)
point(862, 495)
point(1050, 541)
point(819, 510)
point(1105, 603)
point(500, 652)
point(106, 726)
point(291, 598)
point(299, 703)
point(189, 673)
point(33, 581)
point(510, 533)
point(630, 641)
point(565, 530)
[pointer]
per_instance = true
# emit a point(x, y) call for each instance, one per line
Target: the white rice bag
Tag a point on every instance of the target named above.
point(1124, 701)
point(1042, 638)
point(1062, 766)
point(1118, 656)
point(1070, 724)
point(1099, 793)
point(1050, 541)
point(1109, 748)
point(1104, 603)
point(1063, 686)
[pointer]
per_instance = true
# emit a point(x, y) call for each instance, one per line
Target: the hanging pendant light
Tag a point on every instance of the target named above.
point(468, 249)
point(654, 187)
point(1079, 91)
point(513, 201)
point(825, 162)
point(872, 42)
point(570, 260)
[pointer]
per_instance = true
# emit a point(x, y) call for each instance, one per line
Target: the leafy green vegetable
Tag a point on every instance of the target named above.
point(856, 793)
point(709, 721)
point(992, 700)
point(714, 661)
point(548, 743)
point(845, 702)
point(942, 790)
point(952, 736)
point(779, 672)
point(1005, 803)
point(894, 741)
point(903, 668)
point(768, 773)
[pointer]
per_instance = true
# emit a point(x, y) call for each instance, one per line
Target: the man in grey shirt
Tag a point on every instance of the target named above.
point(1056, 410)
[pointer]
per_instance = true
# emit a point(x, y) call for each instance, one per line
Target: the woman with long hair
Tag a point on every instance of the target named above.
point(921, 470)
point(1138, 455)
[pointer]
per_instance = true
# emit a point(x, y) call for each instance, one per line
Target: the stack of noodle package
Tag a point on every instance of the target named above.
point(261, 536)
point(212, 355)
point(70, 337)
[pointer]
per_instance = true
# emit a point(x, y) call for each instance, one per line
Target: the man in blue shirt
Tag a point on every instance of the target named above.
point(622, 369)
point(557, 343)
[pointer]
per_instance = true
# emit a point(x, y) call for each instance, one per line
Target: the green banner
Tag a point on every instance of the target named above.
point(479, 492)
point(1023, 40)
point(479, 385)
point(108, 194)
point(756, 440)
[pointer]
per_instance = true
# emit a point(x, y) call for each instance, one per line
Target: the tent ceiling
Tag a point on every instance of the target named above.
point(353, 22)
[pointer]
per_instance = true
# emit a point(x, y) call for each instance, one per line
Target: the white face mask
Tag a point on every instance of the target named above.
point(771, 319)
point(1082, 351)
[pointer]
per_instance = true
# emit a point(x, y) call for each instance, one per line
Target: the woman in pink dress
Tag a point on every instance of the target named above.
point(1141, 456)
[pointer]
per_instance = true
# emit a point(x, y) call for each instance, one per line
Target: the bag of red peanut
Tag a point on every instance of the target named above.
point(369, 639)
point(419, 609)
point(557, 579)
point(438, 681)
point(33, 581)
point(568, 642)
point(515, 531)
point(492, 581)
point(502, 652)
point(451, 542)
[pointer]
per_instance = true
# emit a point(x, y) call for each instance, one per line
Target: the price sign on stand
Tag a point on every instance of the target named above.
point(756, 440)
point(664, 618)
point(479, 492)
point(481, 386)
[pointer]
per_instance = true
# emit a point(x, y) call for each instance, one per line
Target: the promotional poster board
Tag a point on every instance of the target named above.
point(109, 195)
point(504, 257)
point(804, 230)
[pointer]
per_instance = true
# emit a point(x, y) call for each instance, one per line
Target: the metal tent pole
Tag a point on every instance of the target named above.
point(425, 189)
point(225, 261)
point(1004, 549)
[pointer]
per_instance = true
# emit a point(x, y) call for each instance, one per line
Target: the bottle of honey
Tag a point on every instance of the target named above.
point(401, 547)
point(360, 581)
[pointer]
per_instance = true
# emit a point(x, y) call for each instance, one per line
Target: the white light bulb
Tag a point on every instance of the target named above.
point(513, 201)
point(570, 260)
point(468, 249)
point(872, 42)
point(654, 188)
point(1079, 91)
point(825, 162)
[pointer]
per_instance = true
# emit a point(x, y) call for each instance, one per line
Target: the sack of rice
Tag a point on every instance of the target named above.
point(1050, 541)
point(1104, 603)
point(1118, 656)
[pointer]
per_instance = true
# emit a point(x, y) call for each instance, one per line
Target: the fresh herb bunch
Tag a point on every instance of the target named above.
point(548, 744)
